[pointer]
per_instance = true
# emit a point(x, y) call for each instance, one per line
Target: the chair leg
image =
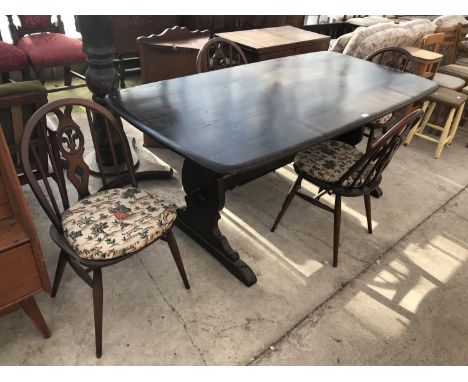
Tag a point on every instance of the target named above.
point(367, 203)
point(455, 123)
point(178, 260)
point(98, 303)
point(67, 76)
point(62, 262)
point(428, 109)
point(336, 230)
point(287, 201)
point(444, 135)
point(5, 78)
point(32, 310)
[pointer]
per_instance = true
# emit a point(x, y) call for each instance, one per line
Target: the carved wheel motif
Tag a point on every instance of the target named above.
point(71, 140)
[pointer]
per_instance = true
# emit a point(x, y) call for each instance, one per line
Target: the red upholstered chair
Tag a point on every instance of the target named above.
point(47, 46)
point(11, 59)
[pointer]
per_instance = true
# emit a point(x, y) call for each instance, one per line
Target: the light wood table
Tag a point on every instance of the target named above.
point(267, 43)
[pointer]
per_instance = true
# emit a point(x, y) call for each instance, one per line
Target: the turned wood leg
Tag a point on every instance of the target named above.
point(32, 310)
point(367, 203)
point(67, 76)
point(287, 201)
point(98, 303)
point(205, 192)
point(178, 260)
point(336, 230)
point(61, 263)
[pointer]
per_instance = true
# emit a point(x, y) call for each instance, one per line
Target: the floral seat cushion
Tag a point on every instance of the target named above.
point(329, 161)
point(116, 222)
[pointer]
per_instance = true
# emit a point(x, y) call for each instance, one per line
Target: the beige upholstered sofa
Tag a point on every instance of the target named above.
point(364, 41)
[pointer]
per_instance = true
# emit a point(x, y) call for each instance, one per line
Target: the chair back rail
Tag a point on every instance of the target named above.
point(379, 154)
point(17, 32)
point(395, 58)
point(219, 53)
point(450, 44)
point(433, 42)
point(65, 148)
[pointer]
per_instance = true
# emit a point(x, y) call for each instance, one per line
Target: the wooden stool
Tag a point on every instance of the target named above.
point(455, 102)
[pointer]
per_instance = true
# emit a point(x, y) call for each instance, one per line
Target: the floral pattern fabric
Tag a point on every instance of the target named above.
point(11, 58)
point(112, 223)
point(42, 21)
point(340, 43)
point(52, 49)
point(329, 161)
point(450, 21)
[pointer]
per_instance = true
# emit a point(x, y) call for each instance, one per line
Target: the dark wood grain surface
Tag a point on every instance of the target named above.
point(237, 119)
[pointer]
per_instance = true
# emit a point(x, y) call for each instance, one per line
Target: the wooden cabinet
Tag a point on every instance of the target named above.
point(22, 268)
point(268, 43)
point(231, 23)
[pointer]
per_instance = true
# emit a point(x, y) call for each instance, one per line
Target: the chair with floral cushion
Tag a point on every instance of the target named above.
point(12, 59)
point(108, 226)
point(341, 169)
point(46, 46)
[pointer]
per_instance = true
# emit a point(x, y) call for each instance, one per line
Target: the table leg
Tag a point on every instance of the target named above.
point(205, 193)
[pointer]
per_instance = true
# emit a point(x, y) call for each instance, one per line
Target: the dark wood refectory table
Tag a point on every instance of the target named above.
point(235, 125)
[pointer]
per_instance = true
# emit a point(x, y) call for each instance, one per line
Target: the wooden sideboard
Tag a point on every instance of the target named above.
point(22, 269)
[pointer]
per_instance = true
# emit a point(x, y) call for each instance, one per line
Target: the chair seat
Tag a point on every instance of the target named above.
point(465, 90)
point(449, 82)
point(459, 71)
point(11, 58)
point(462, 61)
point(112, 223)
point(328, 162)
point(448, 97)
point(52, 49)
point(463, 46)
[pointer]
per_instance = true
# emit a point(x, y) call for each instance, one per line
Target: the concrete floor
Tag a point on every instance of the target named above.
point(396, 297)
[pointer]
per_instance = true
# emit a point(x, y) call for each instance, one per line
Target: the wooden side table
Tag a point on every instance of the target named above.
point(22, 268)
point(428, 62)
point(171, 54)
point(268, 43)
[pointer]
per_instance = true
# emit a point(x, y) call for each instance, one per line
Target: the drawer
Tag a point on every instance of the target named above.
point(18, 274)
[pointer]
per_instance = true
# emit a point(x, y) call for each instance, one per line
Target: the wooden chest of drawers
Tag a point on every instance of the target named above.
point(22, 268)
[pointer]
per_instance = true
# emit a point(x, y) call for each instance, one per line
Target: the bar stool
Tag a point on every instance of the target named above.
point(455, 102)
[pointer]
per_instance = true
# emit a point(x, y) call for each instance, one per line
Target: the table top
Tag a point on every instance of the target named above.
point(274, 38)
point(240, 118)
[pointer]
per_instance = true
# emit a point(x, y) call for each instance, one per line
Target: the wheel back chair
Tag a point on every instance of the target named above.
point(219, 53)
point(103, 228)
point(341, 169)
point(395, 58)
point(398, 59)
point(46, 46)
